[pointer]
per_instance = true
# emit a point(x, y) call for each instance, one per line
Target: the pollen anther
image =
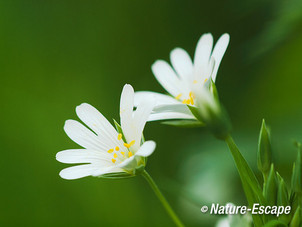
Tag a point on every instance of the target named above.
point(130, 154)
point(119, 137)
point(128, 145)
point(178, 96)
point(110, 150)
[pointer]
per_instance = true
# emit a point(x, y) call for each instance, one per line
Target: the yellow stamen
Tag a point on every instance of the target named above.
point(123, 153)
point(195, 82)
point(130, 154)
point(117, 148)
point(128, 145)
point(113, 160)
point(115, 155)
point(184, 101)
point(188, 101)
point(205, 80)
point(110, 150)
point(178, 96)
point(192, 100)
point(119, 137)
point(191, 97)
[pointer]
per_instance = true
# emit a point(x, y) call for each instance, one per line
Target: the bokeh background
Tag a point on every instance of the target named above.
point(54, 55)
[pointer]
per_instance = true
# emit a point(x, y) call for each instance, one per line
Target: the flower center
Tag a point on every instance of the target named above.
point(121, 153)
point(190, 100)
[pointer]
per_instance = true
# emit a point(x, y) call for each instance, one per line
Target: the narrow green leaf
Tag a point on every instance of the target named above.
point(297, 173)
point(282, 198)
point(292, 191)
point(275, 223)
point(296, 220)
point(264, 157)
point(270, 190)
point(249, 181)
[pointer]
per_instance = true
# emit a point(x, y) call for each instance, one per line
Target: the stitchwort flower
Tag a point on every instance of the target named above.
point(107, 151)
point(112, 153)
point(184, 79)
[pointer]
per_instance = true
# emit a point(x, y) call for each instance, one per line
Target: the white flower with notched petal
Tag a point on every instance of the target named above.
point(185, 75)
point(107, 151)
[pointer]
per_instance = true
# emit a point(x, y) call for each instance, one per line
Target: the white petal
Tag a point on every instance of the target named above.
point(179, 108)
point(224, 222)
point(76, 172)
point(140, 118)
point(111, 169)
point(146, 149)
point(210, 69)
point(219, 51)
point(167, 77)
point(83, 136)
point(141, 96)
point(174, 111)
point(169, 116)
point(98, 123)
point(127, 162)
point(83, 156)
point(126, 106)
point(202, 54)
point(182, 64)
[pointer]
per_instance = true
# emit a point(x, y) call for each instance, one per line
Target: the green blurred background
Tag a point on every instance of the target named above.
point(54, 55)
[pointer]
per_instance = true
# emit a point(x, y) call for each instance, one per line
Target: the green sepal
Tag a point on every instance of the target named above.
point(119, 130)
point(143, 139)
point(119, 175)
point(194, 110)
point(264, 156)
point(184, 123)
point(214, 91)
point(139, 170)
point(220, 124)
point(275, 223)
point(270, 187)
point(296, 220)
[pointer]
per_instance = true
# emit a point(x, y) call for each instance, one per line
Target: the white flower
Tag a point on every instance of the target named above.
point(105, 149)
point(183, 77)
point(235, 220)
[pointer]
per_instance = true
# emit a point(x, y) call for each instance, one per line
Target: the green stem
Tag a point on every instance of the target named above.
point(162, 199)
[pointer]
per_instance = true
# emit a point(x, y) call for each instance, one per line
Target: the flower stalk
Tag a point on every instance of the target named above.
point(162, 199)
